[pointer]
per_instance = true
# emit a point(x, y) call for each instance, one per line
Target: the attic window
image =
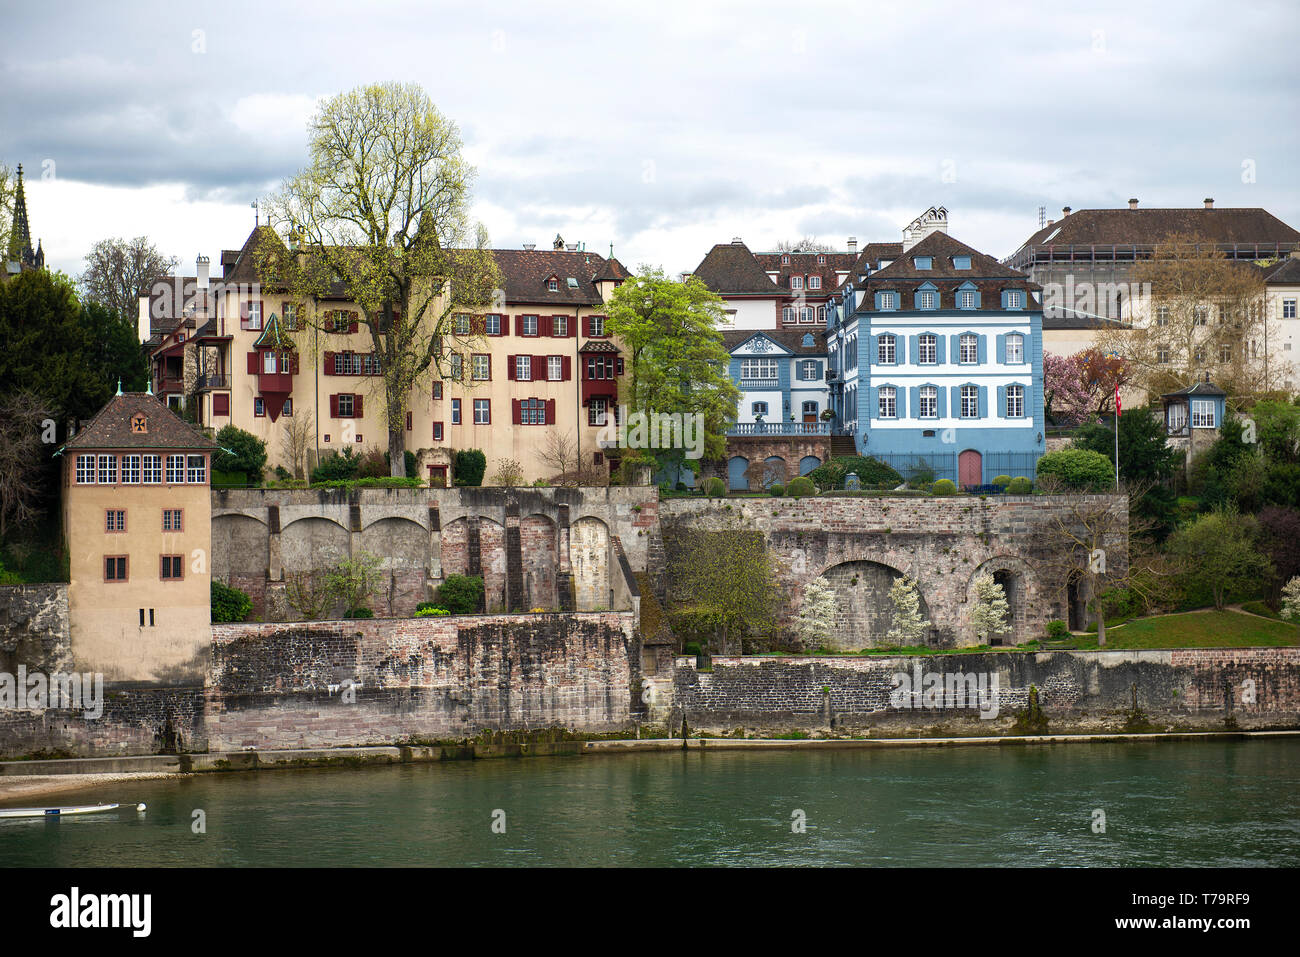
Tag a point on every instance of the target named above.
point(921, 262)
point(821, 260)
point(785, 260)
point(572, 283)
point(961, 262)
point(139, 424)
point(808, 340)
point(553, 285)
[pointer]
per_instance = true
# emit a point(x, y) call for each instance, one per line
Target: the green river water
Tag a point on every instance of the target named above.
point(1224, 803)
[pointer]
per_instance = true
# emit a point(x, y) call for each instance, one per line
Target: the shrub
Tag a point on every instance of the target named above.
point(239, 451)
point(776, 490)
point(1079, 469)
point(358, 613)
point(337, 467)
point(461, 594)
point(229, 604)
point(386, 481)
point(801, 486)
point(437, 481)
point(13, 578)
point(944, 487)
point(715, 487)
point(1057, 629)
point(869, 471)
point(1019, 486)
point(469, 466)
point(283, 474)
point(431, 612)
point(509, 474)
point(409, 460)
point(1003, 480)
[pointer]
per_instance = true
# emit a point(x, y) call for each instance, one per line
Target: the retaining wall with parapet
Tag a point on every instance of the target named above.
point(1077, 691)
point(338, 683)
point(861, 544)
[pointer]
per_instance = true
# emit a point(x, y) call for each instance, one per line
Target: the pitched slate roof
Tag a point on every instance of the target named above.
point(805, 264)
point(612, 271)
point(524, 274)
point(111, 427)
point(942, 248)
point(1285, 273)
point(789, 339)
point(1200, 388)
point(1149, 226)
point(732, 268)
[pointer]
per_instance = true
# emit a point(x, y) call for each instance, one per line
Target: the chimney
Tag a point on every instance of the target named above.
point(1209, 202)
point(530, 246)
point(1050, 224)
point(571, 247)
point(736, 241)
point(853, 244)
point(201, 266)
point(1065, 211)
point(1133, 203)
point(685, 276)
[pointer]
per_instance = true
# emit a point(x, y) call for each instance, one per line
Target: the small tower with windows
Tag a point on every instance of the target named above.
point(137, 515)
point(1193, 417)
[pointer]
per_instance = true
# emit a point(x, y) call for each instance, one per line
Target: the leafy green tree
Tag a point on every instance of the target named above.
point(1291, 600)
point(870, 472)
point(240, 451)
point(469, 467)
point(229, 604)
point(382, 209)
point(677, 362)
point(1143, 452)
point(1218, 552)
point(115, 351)
point(354, 581)
point(461, 594)
point(1280, 541)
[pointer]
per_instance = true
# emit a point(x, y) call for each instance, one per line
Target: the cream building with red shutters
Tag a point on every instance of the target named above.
point(541, 363)
point(137, 514)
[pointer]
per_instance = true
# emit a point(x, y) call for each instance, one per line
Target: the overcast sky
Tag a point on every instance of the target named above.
point(661, 127)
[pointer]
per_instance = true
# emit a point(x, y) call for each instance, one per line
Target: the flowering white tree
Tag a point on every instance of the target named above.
point(816, 621)
point(1291, 599)
point(988, 616)
point(909, 628)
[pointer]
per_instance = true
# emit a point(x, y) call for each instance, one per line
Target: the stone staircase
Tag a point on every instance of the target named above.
point(842, 445)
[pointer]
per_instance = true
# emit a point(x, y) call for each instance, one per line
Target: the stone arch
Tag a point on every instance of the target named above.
point(775, 466)
point(589, 559)
point(454, 541)
point(492, 559)
point(307, 544)
point(736, 479)
point(403, 547)
point(863, 611)
point(1019, 584)
point(538, 543)
point(808, 463)
point(240, 548)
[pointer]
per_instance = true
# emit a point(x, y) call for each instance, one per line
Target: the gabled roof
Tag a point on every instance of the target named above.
point(1200, 388)
point(111, 427)
point(790, 340)
point(274, 336)
point(942, 248)
point(1286, 272)
point(524, 273)
point(1149, 226)
point(599, 345)
point(732, 268)
point(612, 271)
point(805, 264)
point(244, 268)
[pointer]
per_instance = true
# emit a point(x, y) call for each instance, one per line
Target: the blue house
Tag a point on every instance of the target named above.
point(936, 362)
point(782, 417)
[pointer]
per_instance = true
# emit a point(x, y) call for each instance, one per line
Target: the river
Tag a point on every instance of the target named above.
point(1221, 803)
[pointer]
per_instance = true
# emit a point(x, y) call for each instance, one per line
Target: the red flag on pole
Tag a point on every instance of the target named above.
point(1117, 400)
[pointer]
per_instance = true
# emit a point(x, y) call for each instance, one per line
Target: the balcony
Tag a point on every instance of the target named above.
point(760, 385)
point(779, 428)
point(209, 382)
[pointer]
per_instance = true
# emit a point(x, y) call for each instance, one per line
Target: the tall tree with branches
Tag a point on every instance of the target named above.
point(118, 271)
point(381, 213)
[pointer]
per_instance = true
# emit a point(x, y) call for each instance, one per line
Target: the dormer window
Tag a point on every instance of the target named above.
point(961, 262)
point(553, 285)
point(922, 262)
point(821, 260)
point(139, 425)
point(808, 342)
point(572, 283)
point(785, 260)
point(814, 282)
point(796, 282)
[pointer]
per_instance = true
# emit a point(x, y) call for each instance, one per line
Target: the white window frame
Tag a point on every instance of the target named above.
point(787, 314)
point(461, 324)
point(175, 470)
point(1016, 355)
point(808, 370)
point(886, 350)
point(887, 401)
point(796, 282)
point(350, 410)
point(1015, 402)
point(481, 364)
point(971, 394)
point(597, 325)
point(483, 406)
point(196, 470)
point(1288, 308)
point(928, 404)
point(554, 368)
point(524, 368)
point(151, 470)
point(107, 470)
point(927, 299)
point(767, 369)
point(130, 470)
point(530, 325)
point(928, 349)
point(964, 340)
point(1203, 414)
point(814, 282)
point(560, 326)
point(492, 325)
point(86, 473)
point(967, 299)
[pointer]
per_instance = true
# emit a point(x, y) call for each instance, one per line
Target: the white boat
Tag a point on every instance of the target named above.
point(63, 811)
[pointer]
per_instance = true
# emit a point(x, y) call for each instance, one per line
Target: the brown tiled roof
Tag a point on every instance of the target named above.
point(612, 271)
point(524, 273)
point(805, 264)
point(111, 427)
point(1285, 273)
point(732, 268)
point(941, 248)
point(244, 268)
point(599, 345)
point(790, 339)
point(1149, 226)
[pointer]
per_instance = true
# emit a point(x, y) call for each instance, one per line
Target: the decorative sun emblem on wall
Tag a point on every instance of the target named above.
point(139, 424)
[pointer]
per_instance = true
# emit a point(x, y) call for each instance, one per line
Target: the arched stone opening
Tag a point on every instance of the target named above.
point(864, 613)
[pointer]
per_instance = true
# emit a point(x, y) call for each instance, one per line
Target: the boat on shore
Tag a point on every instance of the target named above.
point(66, 811)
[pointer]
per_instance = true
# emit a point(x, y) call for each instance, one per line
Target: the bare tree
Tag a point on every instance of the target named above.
point(298, 436)
point(21, 417)
point(809, 244)
point(559, 453)
point(118, 271)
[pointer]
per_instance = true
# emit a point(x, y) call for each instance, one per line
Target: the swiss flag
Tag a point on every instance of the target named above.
point(1117, 410)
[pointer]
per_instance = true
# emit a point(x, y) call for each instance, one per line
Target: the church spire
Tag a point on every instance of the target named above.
point(20, 236)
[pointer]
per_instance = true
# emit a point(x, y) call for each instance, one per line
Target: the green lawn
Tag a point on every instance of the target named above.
point(1198, 629)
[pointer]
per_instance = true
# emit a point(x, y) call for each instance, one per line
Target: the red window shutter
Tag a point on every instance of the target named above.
point(566, 370)
point(329, 363)
point(243, 315)
point(515, 416)
point(550, 412)
point(539, 368)
point(252, 363)
point(510, 367)
point(586, 326)
point(572, 327)
point(519, 325)
point(220, 403)
point(352, 322)
point(545, 325)
point(334, 407)
point(357, 411)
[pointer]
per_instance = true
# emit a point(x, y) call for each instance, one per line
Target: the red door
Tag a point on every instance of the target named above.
point(970, 468)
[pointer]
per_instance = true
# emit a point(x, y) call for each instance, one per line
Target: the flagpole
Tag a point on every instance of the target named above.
point(1117, 437)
